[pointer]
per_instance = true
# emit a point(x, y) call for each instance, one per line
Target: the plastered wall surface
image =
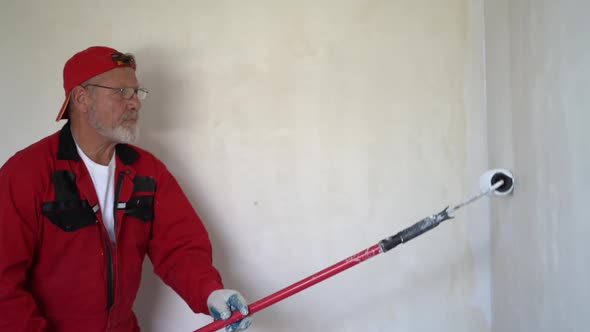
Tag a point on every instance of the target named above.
point(303, 132)
point(538, 69)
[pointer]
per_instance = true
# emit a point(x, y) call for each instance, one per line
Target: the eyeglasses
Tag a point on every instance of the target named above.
point(126, 93)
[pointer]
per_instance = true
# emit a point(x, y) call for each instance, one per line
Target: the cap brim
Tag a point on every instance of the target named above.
point(62, 112)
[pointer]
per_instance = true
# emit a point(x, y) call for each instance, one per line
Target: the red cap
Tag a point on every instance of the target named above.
point(88, 63)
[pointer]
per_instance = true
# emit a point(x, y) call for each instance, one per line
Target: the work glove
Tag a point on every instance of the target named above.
point(223, 302)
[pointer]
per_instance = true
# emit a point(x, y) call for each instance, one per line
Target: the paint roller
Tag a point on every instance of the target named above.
point(494, 182)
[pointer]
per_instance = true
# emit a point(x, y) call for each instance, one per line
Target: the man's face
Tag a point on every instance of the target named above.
point(114, 117)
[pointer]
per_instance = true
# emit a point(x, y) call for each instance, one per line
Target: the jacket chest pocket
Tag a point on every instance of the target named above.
point(139, 211)
point(141, 207)
point(70, 216)
point(141, 203)
point(137, 224)
point(68, 211)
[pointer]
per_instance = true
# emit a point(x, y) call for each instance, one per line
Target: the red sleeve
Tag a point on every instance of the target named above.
point(179, 248)
point(18, 236)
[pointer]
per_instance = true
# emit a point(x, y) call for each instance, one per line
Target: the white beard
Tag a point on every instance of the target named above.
point(120, 133)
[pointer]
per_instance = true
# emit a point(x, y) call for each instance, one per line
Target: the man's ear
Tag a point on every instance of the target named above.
point(80, 98)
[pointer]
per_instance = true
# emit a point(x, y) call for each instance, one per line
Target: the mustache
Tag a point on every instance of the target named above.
point(131, 115)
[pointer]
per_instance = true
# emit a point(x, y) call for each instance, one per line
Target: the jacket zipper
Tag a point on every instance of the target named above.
point(111, 246)
point(110, 277)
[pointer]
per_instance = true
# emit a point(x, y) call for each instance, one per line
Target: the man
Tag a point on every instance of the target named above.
point(80, 209)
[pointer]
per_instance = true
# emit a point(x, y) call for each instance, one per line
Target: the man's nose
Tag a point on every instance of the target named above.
point(134, 103)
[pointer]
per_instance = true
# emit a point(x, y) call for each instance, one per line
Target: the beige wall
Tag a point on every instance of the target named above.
point(303, 131)
point(538, 78)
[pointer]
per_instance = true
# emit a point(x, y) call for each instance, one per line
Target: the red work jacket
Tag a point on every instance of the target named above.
point(59, 270)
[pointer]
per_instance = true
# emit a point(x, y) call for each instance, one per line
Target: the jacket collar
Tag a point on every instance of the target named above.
point(67, 148)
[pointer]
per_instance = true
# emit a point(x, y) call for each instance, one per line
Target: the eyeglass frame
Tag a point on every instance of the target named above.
point(121, 91)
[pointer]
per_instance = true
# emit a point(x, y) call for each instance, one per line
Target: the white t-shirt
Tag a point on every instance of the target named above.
point(103, 178)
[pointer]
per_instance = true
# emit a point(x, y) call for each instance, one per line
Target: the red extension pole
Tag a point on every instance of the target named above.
point(296, 287)
point(384, 245)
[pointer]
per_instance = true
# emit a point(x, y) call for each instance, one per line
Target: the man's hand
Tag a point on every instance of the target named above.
point(223, 302)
